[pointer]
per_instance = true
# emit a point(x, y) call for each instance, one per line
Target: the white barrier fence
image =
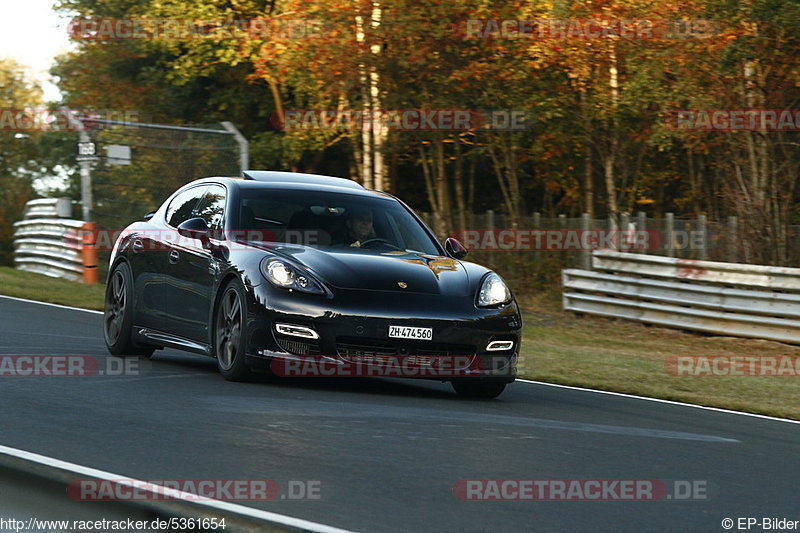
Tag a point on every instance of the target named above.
point(47, 244)
point(722, 298)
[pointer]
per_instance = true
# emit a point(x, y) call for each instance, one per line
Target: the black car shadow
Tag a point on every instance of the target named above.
point(417, 388)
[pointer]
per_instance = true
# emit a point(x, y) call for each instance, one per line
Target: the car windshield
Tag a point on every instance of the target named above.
point(328, 220)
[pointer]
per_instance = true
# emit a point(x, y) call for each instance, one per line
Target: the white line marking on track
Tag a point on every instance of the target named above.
point(289, 521)
point(659, 400)
point(51, 305)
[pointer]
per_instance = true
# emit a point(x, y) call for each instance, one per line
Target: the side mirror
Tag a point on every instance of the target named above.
point(194, 228)
point(149, 215)
point(455, 249)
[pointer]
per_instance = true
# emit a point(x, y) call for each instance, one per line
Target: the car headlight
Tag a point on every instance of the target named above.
point(493, 291)
point(282, 274)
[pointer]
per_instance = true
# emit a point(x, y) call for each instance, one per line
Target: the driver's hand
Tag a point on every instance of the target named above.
point(356, 244)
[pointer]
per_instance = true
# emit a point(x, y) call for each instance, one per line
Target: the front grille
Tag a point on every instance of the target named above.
point(382, 351)
point(298, 347)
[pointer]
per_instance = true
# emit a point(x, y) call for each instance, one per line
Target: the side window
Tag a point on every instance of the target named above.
point(182, 206)
point(212, 207)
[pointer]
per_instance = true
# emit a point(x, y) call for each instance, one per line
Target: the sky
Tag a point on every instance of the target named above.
point(33, 34)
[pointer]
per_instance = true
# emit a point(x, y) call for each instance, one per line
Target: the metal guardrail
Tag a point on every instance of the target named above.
point(35, 489)
point(713, 297)
point(48, 208)
point(53, 246)
point(690, 269)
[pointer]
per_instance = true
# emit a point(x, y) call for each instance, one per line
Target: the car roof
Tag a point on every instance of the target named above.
point(269, 176)
point(261, 179)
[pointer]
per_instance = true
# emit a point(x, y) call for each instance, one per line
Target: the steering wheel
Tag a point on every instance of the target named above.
point(378, 239)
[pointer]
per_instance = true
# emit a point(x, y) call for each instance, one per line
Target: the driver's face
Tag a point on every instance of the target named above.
point(361, 226)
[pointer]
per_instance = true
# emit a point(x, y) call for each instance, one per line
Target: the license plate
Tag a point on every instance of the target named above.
point(406, 332)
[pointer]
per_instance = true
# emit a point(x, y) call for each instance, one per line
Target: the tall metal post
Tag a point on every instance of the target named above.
point(585, 253)
point(702, 228)
point(244, 145)
point(87, 201)
point(669, 235)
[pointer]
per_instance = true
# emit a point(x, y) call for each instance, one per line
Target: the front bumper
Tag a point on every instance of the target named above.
point(353, 328)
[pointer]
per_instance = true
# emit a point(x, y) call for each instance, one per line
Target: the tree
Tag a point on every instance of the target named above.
point(18, 151)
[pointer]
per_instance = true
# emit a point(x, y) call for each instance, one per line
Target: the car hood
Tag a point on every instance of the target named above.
point(386, 271)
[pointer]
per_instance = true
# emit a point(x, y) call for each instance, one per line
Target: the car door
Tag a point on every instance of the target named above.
point(149, 254)
point(191, 270)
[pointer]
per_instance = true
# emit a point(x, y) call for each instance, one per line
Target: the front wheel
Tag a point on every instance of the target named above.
point(118, 315)
point(230, 333)
point(478, 388)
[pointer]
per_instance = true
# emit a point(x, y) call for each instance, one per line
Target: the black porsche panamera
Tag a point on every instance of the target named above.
point(276, 268)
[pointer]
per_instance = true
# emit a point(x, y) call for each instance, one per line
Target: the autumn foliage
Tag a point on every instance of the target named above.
point(599, 81)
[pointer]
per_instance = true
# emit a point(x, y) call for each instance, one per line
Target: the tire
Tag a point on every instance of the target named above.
point(118, 315)
point(230, 333)
point(478, 388)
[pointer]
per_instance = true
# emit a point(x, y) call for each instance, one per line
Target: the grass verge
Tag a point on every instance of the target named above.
point(562, 348)
point(53, 290)
point(629, 357)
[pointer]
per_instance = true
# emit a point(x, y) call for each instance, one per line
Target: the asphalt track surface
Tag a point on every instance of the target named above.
point(388, 453)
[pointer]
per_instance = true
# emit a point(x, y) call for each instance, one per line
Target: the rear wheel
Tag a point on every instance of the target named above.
point(118, 315)
point(230, 333)
point(478, 388)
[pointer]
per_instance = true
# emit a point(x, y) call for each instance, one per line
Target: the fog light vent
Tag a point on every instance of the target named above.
point(499, 346)
point(296, 331)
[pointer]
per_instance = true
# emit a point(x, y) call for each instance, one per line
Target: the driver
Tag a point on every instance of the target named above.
point(358, 227)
